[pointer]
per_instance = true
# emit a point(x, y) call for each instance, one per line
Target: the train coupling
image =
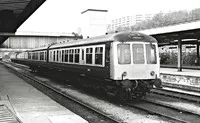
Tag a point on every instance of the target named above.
point(128, 85)
point(157, 83)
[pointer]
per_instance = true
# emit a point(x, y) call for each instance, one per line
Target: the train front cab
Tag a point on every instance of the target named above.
point(135, 66)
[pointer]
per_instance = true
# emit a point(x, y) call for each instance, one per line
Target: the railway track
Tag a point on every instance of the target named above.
point(177, 93)
point(171, 112)
point(24, 75)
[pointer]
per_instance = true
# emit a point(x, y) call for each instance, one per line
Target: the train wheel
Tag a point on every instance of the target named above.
point(123, 95)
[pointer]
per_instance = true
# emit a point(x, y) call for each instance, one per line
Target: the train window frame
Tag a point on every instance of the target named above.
point(70, 52)
point(98, 52)
point(89, 53)
point(119, 61)
point(77, 55)
point(63, 55)
point(71, 55)
point(154, 52)
point(54, 55)
point(50, 55)
point(41, 56)
point(93, 55)
point(66, 55)
point(32, 57)
point(45, 55)
point(36, 56)
point(57, 55)
point(29, 55)
point(78, 51)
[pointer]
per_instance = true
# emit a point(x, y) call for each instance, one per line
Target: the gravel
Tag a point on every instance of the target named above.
point(111, 109)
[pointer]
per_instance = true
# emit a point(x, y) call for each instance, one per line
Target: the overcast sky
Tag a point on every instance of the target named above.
point(64, 15)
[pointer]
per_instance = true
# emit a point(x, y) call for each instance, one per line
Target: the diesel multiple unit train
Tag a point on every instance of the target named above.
point(123, 64)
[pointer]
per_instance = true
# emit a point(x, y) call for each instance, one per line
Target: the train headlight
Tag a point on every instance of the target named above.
point(152, 73)
point(124, 74)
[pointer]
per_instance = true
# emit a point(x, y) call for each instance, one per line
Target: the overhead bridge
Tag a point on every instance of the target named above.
point(14, 13)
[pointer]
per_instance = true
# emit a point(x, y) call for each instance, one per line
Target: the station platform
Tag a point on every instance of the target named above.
point(187, 79)
point(28, 105)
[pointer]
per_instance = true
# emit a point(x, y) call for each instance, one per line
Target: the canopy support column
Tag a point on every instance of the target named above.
point(179, 54)
point(198, 59)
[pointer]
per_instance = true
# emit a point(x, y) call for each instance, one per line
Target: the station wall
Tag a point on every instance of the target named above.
point(31, 42)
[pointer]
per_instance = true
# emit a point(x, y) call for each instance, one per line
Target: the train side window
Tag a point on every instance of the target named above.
point(89, 55)
point(138, 54)
point(66, 55)
point(29, 55)
point(36, 55)
point(98, 55)
point(82, 54)
point(45, 55)
point(71, 55)
point(77, 51)
point(54, 55)
point(57, 55)
point(63, 55)
point(32, 56)
point(41, 55)
point(51, 56)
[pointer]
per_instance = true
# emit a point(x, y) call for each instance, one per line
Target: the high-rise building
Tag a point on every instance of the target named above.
point(128, 21)
point(94, 22)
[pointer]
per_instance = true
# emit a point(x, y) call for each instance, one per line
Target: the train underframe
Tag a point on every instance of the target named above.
point(122, 90)
point(135, 89)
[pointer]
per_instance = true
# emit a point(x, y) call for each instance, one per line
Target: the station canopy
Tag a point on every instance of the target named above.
point(189, 33)
point(14, 13)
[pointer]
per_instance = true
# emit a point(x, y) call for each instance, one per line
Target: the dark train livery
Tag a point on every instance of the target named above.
point(124, 64)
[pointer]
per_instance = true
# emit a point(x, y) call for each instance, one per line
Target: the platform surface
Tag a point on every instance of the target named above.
point(31, 105)
point(186, 79)
point(184, 72)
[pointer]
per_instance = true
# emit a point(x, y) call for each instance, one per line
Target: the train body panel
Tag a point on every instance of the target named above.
point(138, 60)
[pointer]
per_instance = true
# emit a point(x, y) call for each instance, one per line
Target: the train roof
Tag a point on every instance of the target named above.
point(120, 36)
point(39, 48)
